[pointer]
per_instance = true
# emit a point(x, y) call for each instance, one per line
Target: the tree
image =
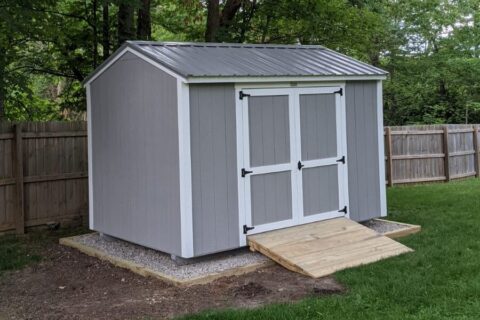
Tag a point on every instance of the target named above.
point(125, 22)
point(219, 21)
point(144, 27)
point(106, 29)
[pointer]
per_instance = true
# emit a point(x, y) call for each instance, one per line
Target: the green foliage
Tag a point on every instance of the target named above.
point(430, 48)
point(438, 281)
point(17, 252)
point(14, 254)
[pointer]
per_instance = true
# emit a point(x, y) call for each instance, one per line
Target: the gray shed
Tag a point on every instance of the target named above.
point(194, 146)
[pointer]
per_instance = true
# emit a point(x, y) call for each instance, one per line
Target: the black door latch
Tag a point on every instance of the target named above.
point(344, 210)
point(342, 160)
point(246, 229)
point(245, 172)
point(300, 165)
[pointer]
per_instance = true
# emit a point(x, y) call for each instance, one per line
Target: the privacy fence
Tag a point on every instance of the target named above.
point(43, 166)
point(431, 153)
point(43, 174)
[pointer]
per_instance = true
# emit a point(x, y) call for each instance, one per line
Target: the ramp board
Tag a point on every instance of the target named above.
point(322, 248)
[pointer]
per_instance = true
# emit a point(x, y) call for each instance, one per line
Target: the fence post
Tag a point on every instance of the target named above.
point(18, 157)
point(389, 156)
point(476, 157)
point(447, 153)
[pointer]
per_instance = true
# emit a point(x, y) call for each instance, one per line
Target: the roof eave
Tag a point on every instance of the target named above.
point(263, 79)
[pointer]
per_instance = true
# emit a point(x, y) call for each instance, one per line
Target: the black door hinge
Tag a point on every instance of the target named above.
point(241, 94)
point(338, 91)
point(300, 165)
point(246, 229)
point(245, 172)
point(344, 210)
point(342, 160)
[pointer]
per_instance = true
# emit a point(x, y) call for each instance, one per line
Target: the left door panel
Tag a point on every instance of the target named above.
point(268, 155)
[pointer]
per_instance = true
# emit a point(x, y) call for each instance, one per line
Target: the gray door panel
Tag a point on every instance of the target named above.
point(318, 126)
point(271, 196)
point(320, 189)
point(269, 130)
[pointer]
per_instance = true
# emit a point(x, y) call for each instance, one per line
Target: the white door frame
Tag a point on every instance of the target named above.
point(341, 151)
point(269, 168)
point(243, 154)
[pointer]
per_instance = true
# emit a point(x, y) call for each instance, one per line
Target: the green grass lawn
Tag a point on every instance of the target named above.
point(440, 280)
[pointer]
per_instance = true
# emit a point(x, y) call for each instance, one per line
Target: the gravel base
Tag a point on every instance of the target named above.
point(383, 226)
point(162, 262)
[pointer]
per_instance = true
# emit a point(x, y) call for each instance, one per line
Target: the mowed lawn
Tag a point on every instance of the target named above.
point(440, 280)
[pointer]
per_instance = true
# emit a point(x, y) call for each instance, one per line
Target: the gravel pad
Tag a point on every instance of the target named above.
point(383, 226)
point(162, 262)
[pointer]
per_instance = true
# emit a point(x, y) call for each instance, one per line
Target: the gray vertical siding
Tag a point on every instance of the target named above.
point(214, 168)
point(135, 155)
point(318, 126)
point(362, 145)
point(271, 196)
point(269, 134)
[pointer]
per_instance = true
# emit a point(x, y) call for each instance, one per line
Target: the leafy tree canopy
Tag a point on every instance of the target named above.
point(430, 47)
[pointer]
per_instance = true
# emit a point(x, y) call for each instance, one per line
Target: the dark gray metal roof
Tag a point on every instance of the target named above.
point(258, 60)
point(197, 60)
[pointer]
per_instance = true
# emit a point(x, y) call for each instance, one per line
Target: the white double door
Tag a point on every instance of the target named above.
point(293, 157)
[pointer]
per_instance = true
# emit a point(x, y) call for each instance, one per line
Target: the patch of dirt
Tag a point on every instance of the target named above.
point(70, 285)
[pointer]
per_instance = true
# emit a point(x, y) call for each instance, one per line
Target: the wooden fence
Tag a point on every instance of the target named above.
point(431, 153)
point(43, 171)
point(43, 166)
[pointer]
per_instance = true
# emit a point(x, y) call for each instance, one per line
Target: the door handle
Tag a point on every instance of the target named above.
point(300, 165)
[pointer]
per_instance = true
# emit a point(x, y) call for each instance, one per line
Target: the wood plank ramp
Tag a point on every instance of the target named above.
point(322, 248)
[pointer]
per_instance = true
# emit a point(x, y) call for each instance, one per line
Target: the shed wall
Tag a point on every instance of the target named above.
point(135, 155)
point(362, 150)
point(214, 168)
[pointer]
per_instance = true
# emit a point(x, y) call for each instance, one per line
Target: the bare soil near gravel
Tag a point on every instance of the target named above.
point(67, 284)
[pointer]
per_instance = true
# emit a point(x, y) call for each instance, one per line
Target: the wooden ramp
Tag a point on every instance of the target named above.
point(322, 248)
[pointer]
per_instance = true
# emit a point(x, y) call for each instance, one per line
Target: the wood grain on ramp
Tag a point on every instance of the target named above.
point(322, 248)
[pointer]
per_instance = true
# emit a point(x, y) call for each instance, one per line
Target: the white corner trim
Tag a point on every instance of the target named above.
point(381, 151)
point(185, 169)
point(240, 164)
point(256, 79)
point(118, 55)
point(90, 170)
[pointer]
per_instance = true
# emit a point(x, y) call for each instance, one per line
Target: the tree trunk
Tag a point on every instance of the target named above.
point(95, 33)
point(125, 23)
point(213, 20)
point(105, 30)
point(217, 20)
point(2, 83)
point(144, 26)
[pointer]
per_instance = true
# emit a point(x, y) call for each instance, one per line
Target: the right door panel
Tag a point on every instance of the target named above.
point(321, 154)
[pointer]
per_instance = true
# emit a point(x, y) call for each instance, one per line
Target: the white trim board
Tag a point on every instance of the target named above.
point(118, 55)
point(381, 151)
point(90, 157)
point(185, 169)
point(282, 79)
